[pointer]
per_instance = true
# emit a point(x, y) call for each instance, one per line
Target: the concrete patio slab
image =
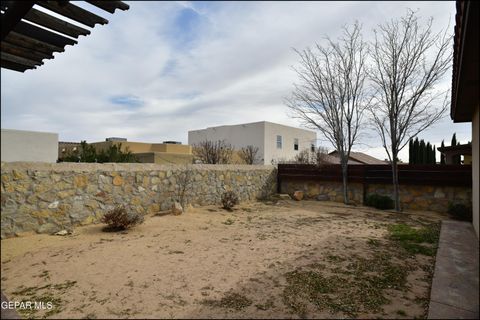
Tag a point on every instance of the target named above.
point(7, 313)
point(455, 285)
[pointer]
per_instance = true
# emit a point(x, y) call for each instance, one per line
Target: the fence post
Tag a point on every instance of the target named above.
point(364, 184)
point(279, 180)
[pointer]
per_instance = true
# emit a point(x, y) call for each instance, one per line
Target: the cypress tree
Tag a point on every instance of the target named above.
point(442, 156)
point(415, 152)
point(421, 148)
point(434, 155)
point(428, 151)
point(410, 150)
point(454, 140)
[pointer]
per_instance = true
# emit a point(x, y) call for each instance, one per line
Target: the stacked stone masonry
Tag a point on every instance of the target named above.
point(47, 198)
point(412, 197)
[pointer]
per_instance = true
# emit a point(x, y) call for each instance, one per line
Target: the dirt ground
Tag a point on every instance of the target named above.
point(281, 259)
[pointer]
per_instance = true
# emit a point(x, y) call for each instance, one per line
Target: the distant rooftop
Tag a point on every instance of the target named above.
point(252, 123)
point(361, 158)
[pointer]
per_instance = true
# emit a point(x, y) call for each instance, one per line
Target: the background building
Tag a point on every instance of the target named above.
point(276, 142)
point(32, 146)
point(358, 158)
point(168, 152)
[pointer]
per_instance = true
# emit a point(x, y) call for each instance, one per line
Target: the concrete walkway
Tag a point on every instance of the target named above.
point(7, 313)
point(455, 288)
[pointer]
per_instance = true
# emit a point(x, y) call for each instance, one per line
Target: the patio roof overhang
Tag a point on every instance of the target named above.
point(464, 149)
point(30, 35)
point(465, 75)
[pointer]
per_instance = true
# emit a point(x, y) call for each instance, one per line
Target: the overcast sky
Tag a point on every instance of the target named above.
point(160, 69)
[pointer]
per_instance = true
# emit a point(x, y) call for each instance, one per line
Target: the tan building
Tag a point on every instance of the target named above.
point(168, 152)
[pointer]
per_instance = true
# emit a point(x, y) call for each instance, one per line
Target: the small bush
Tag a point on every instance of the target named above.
point(120, 219)
point(460, 211)
point(379, 202)
point(229, 200)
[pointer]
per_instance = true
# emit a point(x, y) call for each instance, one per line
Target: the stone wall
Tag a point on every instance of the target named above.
point(50, 197)
point(412, 197)
point(329, 191)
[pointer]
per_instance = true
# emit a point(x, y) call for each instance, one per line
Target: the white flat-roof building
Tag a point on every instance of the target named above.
point(31, 146)
point(276, 142)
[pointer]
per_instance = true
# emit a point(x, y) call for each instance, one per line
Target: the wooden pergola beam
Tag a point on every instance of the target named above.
point(23, 61)
point(14, 66)
point(110, 6)
point(12, 16)
point(51, 22)
point(31, 43)
point(73, 12)
point(29, 35)
point(43, 34)
point(23, 52)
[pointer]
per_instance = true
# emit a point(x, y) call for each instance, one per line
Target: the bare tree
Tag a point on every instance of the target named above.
point(408, 62)
point(213, 152)
point(185, 181)
point(330, 96)
point(249, 154)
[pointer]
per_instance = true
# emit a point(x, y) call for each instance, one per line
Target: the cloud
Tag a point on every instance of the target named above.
point(161, 69)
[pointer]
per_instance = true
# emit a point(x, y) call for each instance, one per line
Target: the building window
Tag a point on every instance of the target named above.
point(279, 142)
point(295, 144)
point(312, 147)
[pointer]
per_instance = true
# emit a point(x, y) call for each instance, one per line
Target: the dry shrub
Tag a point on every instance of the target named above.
point(119, 219)
point(229, 200)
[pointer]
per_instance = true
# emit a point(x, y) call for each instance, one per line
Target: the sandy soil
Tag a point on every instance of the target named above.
point(210, 263)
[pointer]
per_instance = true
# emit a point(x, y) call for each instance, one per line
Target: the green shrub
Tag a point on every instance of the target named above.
point(379, 202)
point(459, 211)
point(229, 200)
point(119, 219)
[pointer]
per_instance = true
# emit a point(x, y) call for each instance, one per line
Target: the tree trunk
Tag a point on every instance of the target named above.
point(345, 181)
point(395, 183)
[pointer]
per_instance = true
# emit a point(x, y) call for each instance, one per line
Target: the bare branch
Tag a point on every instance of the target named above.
point(408, 63)
point(249, 154)
point(213, 152)
point(330, 94)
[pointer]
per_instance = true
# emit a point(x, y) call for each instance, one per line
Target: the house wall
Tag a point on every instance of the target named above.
point(47, 198)
point(287, 152)
point(19, 145)
point(172, 148)
point(238, 136)
point(475, 167)
point(259, 134)
point(173, 158)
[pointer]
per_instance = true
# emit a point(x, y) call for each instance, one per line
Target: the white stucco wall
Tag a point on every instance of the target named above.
point(259, 134)
point(475, 167)
point(19, 145)
point(238, 136)
point(288, 134)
